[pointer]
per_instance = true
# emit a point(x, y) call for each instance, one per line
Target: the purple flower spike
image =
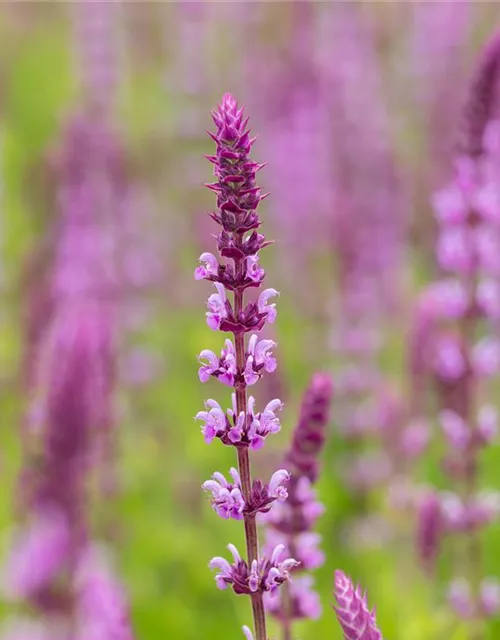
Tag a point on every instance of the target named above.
point(291, 523)
point(357, 622)
point(241, 363)
point(309, 434)
point(452, 363)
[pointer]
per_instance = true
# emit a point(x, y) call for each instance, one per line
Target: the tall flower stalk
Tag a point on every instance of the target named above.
point(293, 521)
point(241, 363)
point(462, 351)
point(72, 408)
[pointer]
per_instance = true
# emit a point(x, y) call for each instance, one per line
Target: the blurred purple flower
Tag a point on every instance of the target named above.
point(290, 523)
point(429, 529)
point(102, 610)
point(38, 555)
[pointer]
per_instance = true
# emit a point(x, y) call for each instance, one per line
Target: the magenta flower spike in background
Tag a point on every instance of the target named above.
point(293, 521)
point(356, 620)
point(452, 313)
point(72, 409)
point(240, 364)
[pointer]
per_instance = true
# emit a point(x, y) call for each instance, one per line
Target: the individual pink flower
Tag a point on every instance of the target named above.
point(209, 268)
point(216, 307)
point(450, 205)
point(455, 250)
point(223, 368)
point(455, 429)
point(263, 575)
point(486, 357)
point(264, 307)
point(227, 499)
point(254, 272)
point(259, 359)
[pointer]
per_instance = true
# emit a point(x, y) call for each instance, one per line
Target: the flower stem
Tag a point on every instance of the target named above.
point(473, 553)
point(252, 541)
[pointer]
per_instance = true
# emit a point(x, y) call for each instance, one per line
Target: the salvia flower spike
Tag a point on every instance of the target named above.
point(292, 522)
point(452, 361)
point(241, 363)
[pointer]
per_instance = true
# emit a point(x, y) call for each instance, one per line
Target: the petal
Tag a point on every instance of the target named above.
point(265, 295)
point(276, 479)
point(212, 486)
point(226, 378)
point(235, 476)
point(229, 347)
point(210, 357)
point(209, 433)
point(251, 344)
point(213, 321)
point(253, 581)
point(261, 350)
point(234, 434)
point(221, 291)
point(270, 365)
point(251, 405)
point(220, 479)
point(248, 634)
point(278, 550)
point(257, 443)
point(210, 260)
point(221, 564)
point(213, 404)
point(234, 553)
point(288, 564)
point(273, 406)
point(200, 273)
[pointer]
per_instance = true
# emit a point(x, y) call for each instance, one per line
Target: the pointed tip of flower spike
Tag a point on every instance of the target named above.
point(352, 612)
point(481, 98)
